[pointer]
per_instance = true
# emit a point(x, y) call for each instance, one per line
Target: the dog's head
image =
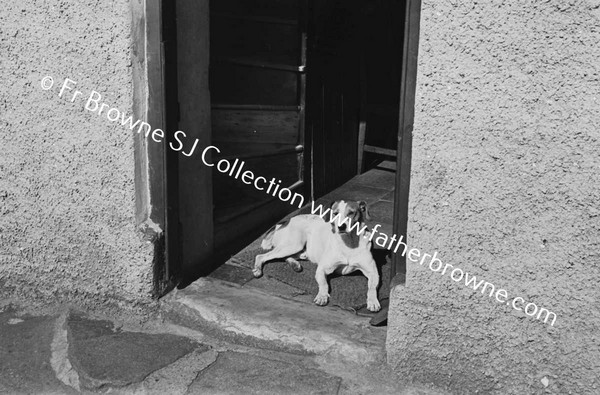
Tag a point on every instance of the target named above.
point(348, 214)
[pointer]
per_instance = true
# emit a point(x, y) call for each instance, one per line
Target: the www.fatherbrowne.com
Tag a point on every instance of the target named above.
point(272, 187)
point(393, 243)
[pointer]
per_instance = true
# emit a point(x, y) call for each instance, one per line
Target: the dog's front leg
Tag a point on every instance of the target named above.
point(373, 280)
point(258, 265)
point(323, 296)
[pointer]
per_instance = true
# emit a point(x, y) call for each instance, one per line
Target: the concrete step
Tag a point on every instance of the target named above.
point(250, 316)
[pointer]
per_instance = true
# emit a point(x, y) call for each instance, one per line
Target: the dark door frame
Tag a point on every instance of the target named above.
point(152, 159)
point(408, 84)
point(167, 72)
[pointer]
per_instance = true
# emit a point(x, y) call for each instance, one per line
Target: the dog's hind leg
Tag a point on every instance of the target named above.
point(278, 252)
point(294, 264)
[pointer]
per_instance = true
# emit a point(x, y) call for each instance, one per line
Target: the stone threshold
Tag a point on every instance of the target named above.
point(250, 316)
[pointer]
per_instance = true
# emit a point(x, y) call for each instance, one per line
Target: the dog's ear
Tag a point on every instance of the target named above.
point(331, 215)
point(362, 206)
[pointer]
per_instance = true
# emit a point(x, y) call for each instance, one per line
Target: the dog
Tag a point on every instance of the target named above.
point(334, 246)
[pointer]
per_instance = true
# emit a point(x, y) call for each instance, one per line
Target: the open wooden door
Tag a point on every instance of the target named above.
point(257, 85)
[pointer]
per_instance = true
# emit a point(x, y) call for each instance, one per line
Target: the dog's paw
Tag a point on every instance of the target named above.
point(322, 299)
point(373, 305)
point(257, 273)
point(297, 267)
point(303, 256)
point(294, 264)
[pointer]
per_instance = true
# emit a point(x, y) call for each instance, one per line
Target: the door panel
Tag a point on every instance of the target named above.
point(250, 84)
point(256, 126)
point(257, 96)
point(269, 42)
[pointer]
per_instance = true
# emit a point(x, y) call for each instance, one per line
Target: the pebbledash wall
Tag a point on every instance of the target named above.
point(505, 184)
point(67, 197)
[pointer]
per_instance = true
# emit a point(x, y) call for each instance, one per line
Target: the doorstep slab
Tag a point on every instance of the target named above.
point(276, 287)
point(249, 316)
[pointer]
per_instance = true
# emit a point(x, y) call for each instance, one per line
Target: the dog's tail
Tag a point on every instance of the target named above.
point(267, 242)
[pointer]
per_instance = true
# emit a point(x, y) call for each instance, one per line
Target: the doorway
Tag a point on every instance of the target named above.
point(289, 82)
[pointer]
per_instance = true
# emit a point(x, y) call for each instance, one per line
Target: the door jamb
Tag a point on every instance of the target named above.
point(405, 128)
point(195, 192)
point(154, 167)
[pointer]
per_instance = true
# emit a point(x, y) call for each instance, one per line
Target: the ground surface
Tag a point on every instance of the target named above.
point(63, 351)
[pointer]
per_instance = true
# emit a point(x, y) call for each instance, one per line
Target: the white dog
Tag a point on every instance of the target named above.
point(335, 246)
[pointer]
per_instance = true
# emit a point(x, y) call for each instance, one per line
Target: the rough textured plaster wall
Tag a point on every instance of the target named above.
point(67, 228)
point(505, 185)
